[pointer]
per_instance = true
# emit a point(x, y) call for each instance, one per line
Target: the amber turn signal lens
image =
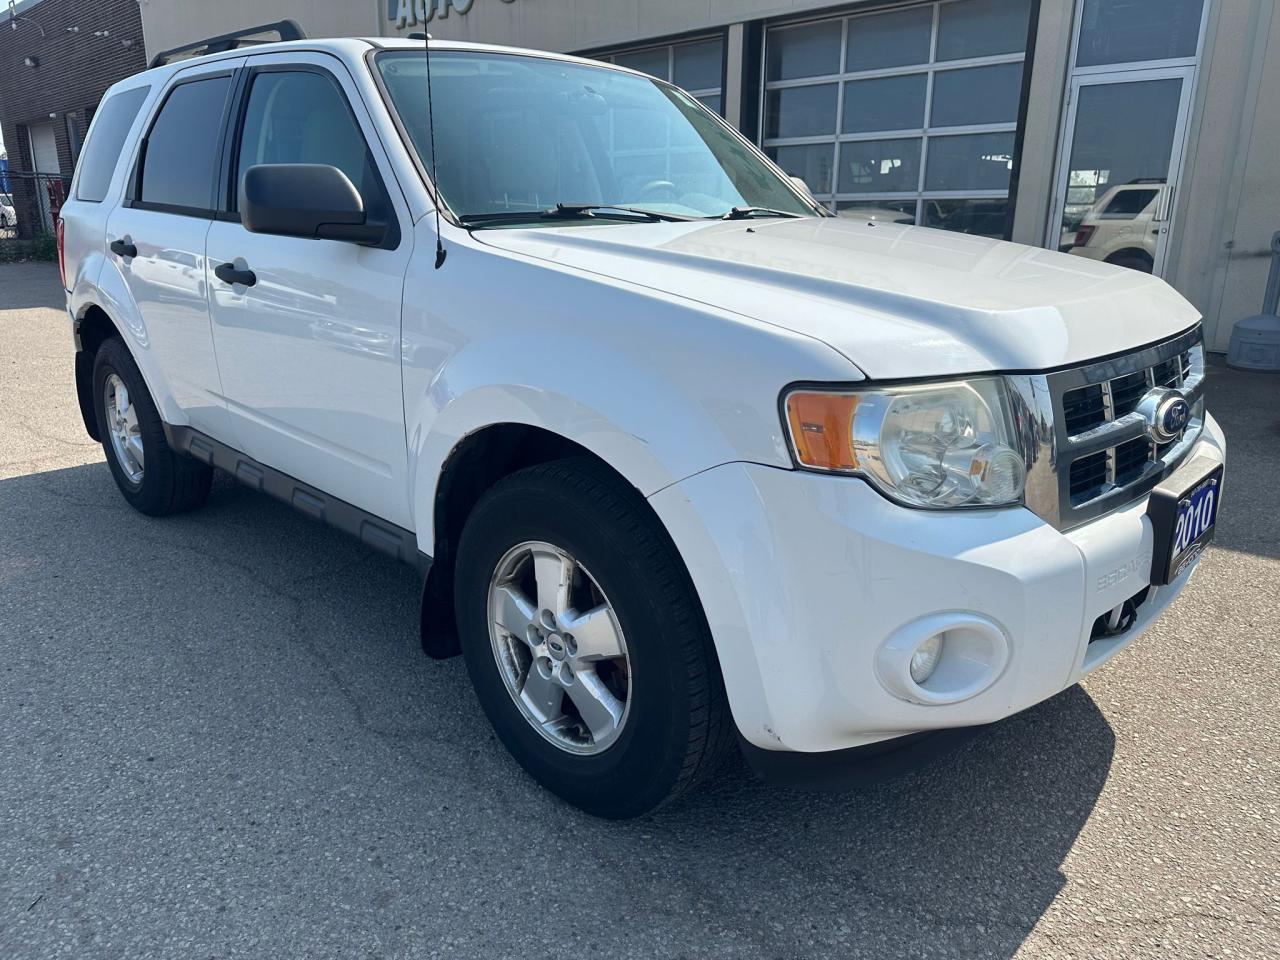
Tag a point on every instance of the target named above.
point(822, 429)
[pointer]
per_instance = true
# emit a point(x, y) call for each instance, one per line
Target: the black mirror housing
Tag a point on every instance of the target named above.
point(310, 200)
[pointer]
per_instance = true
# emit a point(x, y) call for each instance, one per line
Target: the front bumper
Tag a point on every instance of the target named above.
point(805, 578)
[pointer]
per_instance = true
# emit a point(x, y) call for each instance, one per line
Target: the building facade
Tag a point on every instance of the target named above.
point(57, 58)
point(1135, 131)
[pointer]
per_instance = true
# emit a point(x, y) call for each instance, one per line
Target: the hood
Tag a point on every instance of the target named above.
point(898, 301)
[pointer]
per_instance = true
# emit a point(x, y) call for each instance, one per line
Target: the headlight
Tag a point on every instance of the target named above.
point(933, 445)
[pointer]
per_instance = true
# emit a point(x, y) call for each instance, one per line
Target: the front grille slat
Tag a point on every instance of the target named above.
point(1127, 392)
point(1130, 460)
point(1084, 409)
point(1088, 476)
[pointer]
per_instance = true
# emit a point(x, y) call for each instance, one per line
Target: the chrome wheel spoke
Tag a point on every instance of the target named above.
point(601, 711)
point(133, 445)
point(595, 634)
point(553, 572)
point(515, 613)
point(543, 696)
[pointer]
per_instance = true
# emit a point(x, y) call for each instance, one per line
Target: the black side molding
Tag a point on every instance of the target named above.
point(372, 531)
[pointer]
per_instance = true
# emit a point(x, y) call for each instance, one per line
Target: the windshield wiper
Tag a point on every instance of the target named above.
point(575, 211)
point(570, 210)
point(746, 213)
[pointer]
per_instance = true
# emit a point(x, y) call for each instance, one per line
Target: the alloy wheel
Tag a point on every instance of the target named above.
point(122, 425)
point(559, 648)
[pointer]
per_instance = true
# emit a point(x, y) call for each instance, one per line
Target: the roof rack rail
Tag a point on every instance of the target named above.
point(284, 29)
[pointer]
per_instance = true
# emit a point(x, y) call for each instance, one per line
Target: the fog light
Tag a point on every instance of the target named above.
point(943, 658)
point(925, 659)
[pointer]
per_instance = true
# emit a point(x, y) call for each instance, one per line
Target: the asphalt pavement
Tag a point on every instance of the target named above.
point(219, 738)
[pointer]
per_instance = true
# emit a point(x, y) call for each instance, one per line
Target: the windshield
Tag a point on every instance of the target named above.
point(519, 134)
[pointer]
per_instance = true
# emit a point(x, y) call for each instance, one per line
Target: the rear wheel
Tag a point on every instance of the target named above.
point(152, 476)
point(585, 640)
point(1133, 259)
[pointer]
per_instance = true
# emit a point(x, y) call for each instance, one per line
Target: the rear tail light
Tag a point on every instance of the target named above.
point(61, 232)
point(1083, 236)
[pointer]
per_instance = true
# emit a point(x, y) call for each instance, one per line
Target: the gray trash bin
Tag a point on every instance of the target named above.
point(1255, 341)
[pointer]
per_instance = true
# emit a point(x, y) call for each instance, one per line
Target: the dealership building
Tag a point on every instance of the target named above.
point(1136, 131)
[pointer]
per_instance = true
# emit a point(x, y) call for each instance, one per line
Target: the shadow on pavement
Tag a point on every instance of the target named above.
point(1248, 407)
point(30, 284)
point(233, 704)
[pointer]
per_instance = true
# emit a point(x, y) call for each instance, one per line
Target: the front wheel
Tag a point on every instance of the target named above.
point(586, 642)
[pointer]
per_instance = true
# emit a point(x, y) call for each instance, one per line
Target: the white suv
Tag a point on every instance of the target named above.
point(688, 465)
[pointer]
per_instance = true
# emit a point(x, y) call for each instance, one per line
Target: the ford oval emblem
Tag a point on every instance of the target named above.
point(1171, 418)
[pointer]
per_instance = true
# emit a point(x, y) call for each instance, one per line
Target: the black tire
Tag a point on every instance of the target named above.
point(1134, 260)
point(171, 482)
point(678, 726)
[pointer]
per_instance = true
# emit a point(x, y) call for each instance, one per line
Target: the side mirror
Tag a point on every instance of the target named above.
point(804, 187)
point(311, 200)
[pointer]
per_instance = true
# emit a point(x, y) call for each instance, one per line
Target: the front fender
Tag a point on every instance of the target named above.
point(658, 387)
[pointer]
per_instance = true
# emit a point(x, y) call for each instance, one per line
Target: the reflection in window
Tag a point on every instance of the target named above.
point(970, 163)
point(886, 166)
point(983, 218)
point(910, 112)
point(1127, 204)
point(811, 163)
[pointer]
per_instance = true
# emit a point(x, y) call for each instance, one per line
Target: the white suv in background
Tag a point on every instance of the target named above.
point(1121, 228)
point(688, 464)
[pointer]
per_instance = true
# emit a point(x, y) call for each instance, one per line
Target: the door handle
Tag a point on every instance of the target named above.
point(227, 273)
point(123, 248)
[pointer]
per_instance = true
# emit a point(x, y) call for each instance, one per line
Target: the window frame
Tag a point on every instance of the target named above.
point(921, 196)
point(132, 198)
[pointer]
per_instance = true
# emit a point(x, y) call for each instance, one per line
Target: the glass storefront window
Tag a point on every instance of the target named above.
point(801, 111)
point(983, 218)
point(885, 103)
point(879, 166)
point(809, 50)
point(970, 162)
point(982, 28)
point(1128, 31)
point(976, 95)
point(910, 111)
point(813, 164)
point(899, 39)
point(698, 66)
point(695, 65)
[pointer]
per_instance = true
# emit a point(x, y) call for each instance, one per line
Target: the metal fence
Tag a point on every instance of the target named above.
point(29, 207)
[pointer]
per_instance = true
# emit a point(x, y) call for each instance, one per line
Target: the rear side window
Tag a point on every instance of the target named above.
point(102, 152)
point(180, 160)
point(1127, 204)
point(303, 117)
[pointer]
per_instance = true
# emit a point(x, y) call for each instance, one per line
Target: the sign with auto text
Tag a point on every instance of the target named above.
point(410, 13)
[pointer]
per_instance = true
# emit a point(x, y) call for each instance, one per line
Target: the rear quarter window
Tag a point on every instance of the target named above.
point(106, 141)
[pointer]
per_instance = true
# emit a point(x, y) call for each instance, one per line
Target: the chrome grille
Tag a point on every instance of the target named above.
point(1089, 449)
